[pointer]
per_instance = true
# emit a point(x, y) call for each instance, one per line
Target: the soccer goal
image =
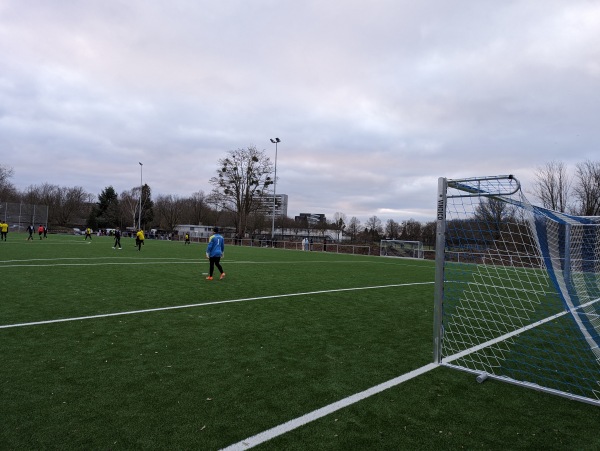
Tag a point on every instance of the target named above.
point(401, 248)
point(517, 294)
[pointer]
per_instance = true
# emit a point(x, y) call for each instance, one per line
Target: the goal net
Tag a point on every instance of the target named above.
point(517, 289)
point(400, 248)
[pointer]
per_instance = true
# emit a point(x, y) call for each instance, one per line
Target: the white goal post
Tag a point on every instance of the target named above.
point(517, 294)
point(401, 248)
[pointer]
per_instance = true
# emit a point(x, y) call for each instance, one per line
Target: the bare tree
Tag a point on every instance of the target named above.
point(147, 215)
point(339, 223)
point(256, 222)
point(374, 226)
point(48, 195)
point(64, 204)
point(428, 233)
point(296, 226)
point(32, 195)
point(587, 188)
point(496, 215)
point(6, 172)
point(288, 223)
point(552, 186)
point(197, 208)
point(8, 192)
point(129, 202)
point(73, 205)
point(242, 182)
point(392, 229)
point(170, 210)
point(217, 204)
point(411, 230)
point(354, 228)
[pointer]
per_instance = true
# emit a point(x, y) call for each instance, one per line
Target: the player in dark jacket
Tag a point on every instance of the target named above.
point(117, 239)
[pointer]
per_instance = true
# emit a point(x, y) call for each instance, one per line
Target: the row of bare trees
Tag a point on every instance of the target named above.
point(73, 206)
point(575, 192)
point(241, 187)
point(409, 230)
point(374, 230)
point(66, 205)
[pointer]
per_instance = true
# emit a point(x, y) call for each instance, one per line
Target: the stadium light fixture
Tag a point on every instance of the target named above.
point(274, 141)
point(141, 189)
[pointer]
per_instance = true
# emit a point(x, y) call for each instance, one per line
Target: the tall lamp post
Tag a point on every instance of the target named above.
point(274, 141)
point(141, 189)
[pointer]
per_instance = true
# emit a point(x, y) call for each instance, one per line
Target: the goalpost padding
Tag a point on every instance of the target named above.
point(517, 289)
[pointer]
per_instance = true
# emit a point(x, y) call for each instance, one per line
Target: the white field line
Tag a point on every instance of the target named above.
point(99, 264)
point(323, 411)
point(91, 258)
point(204, 304)
point(290, 425)
point(152, 261)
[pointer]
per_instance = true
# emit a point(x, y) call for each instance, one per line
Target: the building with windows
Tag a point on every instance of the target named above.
point(195, 230)
point(281, 205)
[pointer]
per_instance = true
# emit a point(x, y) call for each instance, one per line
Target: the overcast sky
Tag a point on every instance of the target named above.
point(373, 100)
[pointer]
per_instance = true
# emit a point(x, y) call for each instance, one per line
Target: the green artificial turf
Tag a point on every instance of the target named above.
point(285, 333)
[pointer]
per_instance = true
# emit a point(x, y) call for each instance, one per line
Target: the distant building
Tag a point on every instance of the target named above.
point(281, 205)
point(195, 231)
point(310, 219)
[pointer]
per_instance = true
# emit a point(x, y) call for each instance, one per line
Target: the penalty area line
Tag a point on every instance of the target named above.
point(276, 431)
point(324, 411)
point(203, 304)
point(319, 413)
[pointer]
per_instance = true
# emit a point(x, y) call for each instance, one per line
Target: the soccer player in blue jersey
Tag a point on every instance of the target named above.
point(214, 252)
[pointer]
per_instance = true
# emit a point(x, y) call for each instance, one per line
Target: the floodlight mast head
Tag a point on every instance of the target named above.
point(276, 140)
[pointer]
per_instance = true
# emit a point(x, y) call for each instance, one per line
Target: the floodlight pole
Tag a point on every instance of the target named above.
point(274, 141)
point(141, 189)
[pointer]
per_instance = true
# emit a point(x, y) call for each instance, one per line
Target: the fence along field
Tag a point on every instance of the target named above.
point(231, 359)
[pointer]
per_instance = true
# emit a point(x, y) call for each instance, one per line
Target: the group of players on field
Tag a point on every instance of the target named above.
point(214, 251)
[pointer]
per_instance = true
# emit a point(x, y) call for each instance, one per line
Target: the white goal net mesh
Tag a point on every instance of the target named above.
point(401, 248)
point(520, 289)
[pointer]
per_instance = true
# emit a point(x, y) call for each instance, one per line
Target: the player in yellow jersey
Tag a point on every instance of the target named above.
point(139, 239)
point(3, 230)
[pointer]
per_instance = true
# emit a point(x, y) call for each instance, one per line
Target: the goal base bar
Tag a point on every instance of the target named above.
point(530, 385)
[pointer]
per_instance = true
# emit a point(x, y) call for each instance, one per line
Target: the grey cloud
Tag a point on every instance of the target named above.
point(372, 100)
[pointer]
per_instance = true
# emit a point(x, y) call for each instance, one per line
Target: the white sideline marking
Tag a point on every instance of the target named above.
point(295, 423)
point(155, 261)
point(176, 307)
point(323, 411)
point(95, 259)
point(102, 264)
